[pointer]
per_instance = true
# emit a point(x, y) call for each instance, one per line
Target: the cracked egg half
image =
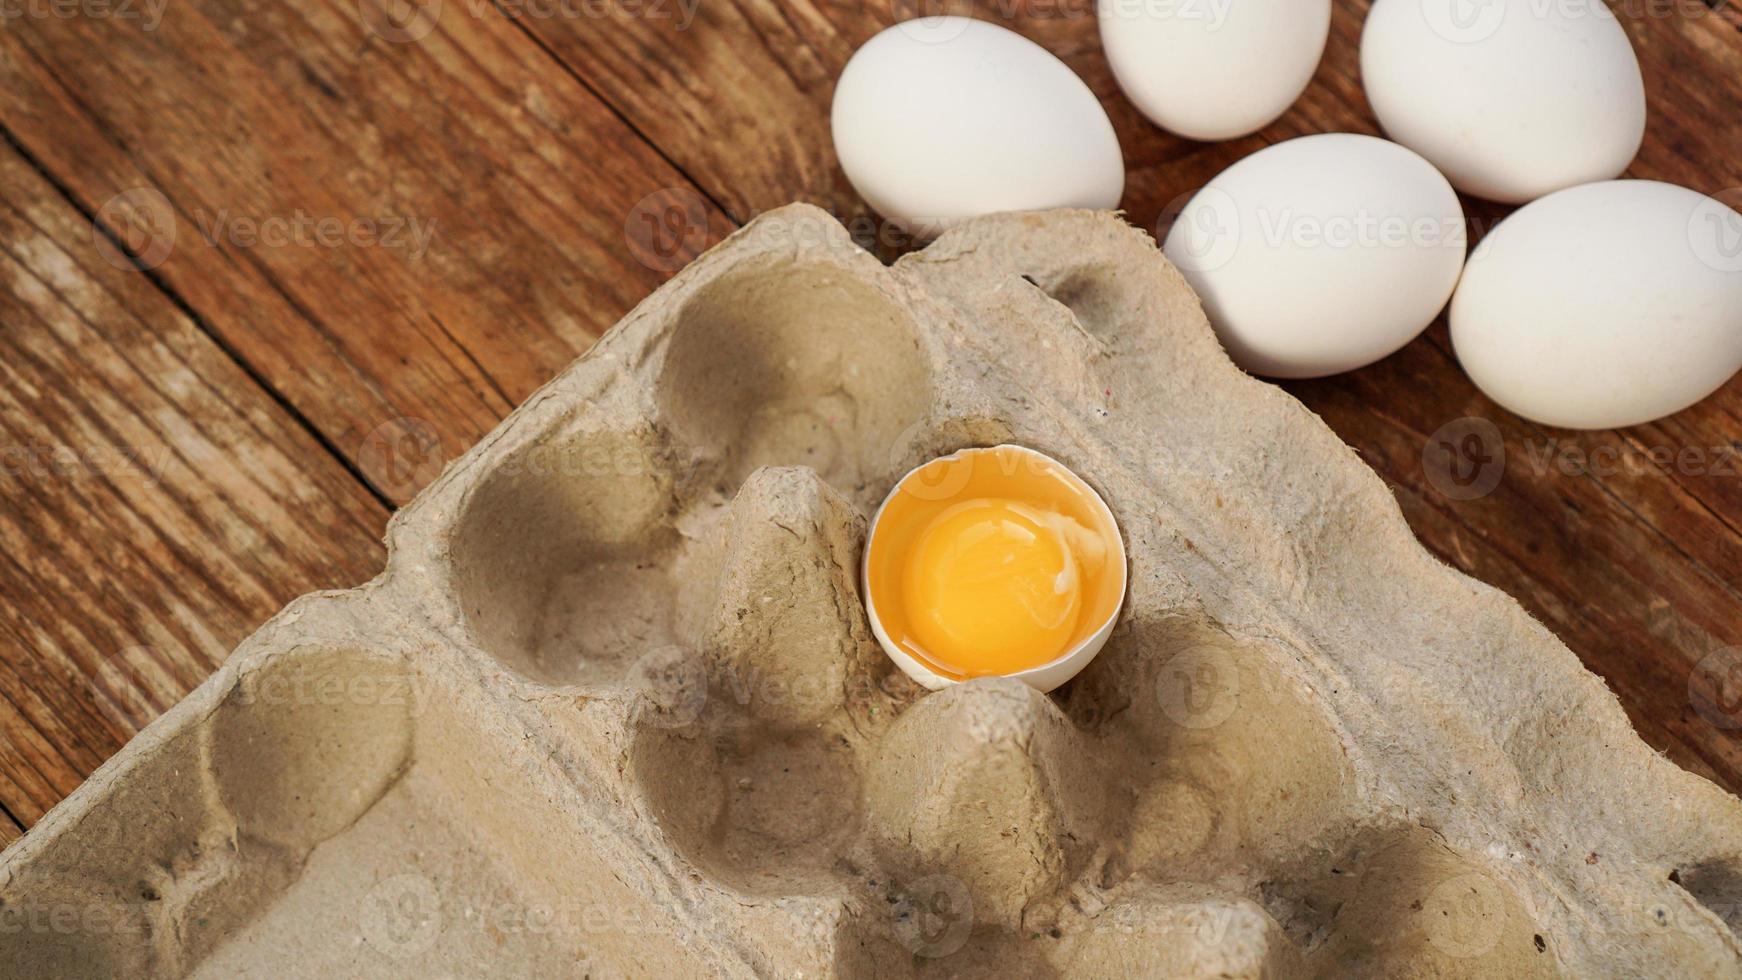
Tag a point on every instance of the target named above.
point(993, 562)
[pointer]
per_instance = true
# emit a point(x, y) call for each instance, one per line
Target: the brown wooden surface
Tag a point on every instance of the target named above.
point(272, 388)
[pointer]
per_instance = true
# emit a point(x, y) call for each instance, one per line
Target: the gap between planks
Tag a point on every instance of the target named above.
point(200, 323)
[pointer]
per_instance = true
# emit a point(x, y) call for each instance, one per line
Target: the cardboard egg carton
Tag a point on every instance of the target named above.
point(614, 708)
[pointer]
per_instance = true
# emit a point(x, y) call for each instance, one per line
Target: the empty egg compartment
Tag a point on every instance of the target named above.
point(329, 810)
point(1396, 900)
point(564, 556)
point(649, 732)
point(1225, 761)
point(747, 737)
point(781, 363)
point(205, 837)
point(987, 827)
point(586, 545)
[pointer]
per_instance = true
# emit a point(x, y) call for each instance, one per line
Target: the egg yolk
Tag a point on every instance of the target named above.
point(993, 583)
point(992, 562)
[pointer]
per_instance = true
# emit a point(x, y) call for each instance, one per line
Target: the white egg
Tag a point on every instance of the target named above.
point(1321, 254)
point(1512, 99)
point(1605, 305)
point(944, 118)
point(1213, 69)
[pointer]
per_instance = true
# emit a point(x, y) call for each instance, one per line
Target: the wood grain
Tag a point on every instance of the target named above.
point(1633, 564)
point(539, 144)
point(155, 504)
point(236, 120)
point(259, 117)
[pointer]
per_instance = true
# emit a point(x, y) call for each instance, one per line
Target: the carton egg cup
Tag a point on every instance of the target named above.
point(614, 707)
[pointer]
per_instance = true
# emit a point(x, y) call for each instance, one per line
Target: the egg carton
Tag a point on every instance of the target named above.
point(614, 707)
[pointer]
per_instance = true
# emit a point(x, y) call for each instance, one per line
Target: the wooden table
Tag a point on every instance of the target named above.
point(268, 263)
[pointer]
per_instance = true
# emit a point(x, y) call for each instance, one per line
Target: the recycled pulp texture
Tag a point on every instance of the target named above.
point(614, 707)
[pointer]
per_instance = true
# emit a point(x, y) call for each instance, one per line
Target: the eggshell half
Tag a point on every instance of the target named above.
point(1047, 676)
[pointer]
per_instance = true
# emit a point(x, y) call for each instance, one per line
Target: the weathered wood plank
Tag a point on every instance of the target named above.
point(401, 239)
point(155, 504)
point(1633, 564)
point(245, 116)
point(479, 206)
